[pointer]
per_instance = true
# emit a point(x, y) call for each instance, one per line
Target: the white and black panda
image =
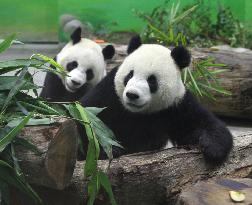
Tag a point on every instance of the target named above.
point(84, 60)
point(147, 105)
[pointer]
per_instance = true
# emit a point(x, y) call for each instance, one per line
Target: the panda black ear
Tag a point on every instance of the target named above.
point(108, 52)
point(135, 43)
point(181, 56)
point(76, 35)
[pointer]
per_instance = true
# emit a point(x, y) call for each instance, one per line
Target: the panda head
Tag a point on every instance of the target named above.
point(84, 60)
point(149, 79)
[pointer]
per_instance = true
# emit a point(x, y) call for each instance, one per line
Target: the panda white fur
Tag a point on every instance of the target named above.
point(148, 105)
point(84, 60)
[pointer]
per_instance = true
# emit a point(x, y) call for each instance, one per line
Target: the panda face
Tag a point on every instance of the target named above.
point(84, 62)
point(149, 80)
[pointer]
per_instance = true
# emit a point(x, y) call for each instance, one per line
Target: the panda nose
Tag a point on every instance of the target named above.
point(132, 96)
point(75, 82)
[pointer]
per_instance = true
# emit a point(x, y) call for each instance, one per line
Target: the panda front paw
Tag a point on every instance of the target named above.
point(213, 152)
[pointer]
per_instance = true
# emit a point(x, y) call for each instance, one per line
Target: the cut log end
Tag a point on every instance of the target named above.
point(61, 155)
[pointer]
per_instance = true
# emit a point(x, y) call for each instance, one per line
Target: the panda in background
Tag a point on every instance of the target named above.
point(85, 62)
point(148, 106)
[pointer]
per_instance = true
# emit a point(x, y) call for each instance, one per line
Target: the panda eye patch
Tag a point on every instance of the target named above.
point(152, 81)
point(128, 77)
point(72, 65)
point(89, 74)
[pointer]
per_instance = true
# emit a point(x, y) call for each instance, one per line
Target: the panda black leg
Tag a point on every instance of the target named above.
point(216, 145)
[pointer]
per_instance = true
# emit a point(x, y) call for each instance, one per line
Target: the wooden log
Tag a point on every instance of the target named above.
point(142, 178)
point(158, 177)
point(216, 191)
point(237, 79)
point(58, 144)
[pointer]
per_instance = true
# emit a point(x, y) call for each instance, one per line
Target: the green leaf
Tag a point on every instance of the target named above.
point(13, 133)
point(215, 65)
point(49, 108)
point(91, 160)
point(94, 110)
point(9, 176)
point(13, 42)
point(105, 183)
point(213, 72)
point(104, 135)
point(216, 89)
point(93, 146)
point(93, 189)
point(31, 122)
point(183, 15)
point(159, 32)
point(73, 111)
point(7, 83)
point(15, 162)
point(43, 108)
point(17, 86)
point(10, 65)
point(194, 82)
point(7, 43)
point(58, 67)
point(184, 75)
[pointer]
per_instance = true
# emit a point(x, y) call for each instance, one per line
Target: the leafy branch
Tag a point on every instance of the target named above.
point(20, 109)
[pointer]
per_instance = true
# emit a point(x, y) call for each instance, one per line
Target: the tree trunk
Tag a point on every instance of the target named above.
point(237, 79)
point(150, 178)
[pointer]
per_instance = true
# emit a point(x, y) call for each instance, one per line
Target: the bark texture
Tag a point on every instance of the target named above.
point(150, 178)
point(58, 145)
point(216, 192)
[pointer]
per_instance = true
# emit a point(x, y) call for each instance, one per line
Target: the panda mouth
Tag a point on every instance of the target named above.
point(135, 106)
point(70, 89)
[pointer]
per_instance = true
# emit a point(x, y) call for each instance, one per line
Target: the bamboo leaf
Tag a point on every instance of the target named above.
point(13, 133)
point(91, 160)
point(183, 15)
point(214, 72)
point(216, 89)
point(93, 145)
point(31, 122)
point(9, 176)
point(104, 135)
point(7, 43)
point(194, 83)
point(184, 76)
point(8, 82)
point(17, 86)
point(159, 32)
point(105, 183)
point(93, 189)
point(58, 67)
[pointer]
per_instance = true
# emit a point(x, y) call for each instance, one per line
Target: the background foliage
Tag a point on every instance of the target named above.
point(195, 23)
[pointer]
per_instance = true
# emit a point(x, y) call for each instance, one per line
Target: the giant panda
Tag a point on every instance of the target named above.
point(148, 106)
point(85, 62)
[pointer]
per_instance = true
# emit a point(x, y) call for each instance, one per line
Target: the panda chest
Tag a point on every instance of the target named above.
point(145, 131)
